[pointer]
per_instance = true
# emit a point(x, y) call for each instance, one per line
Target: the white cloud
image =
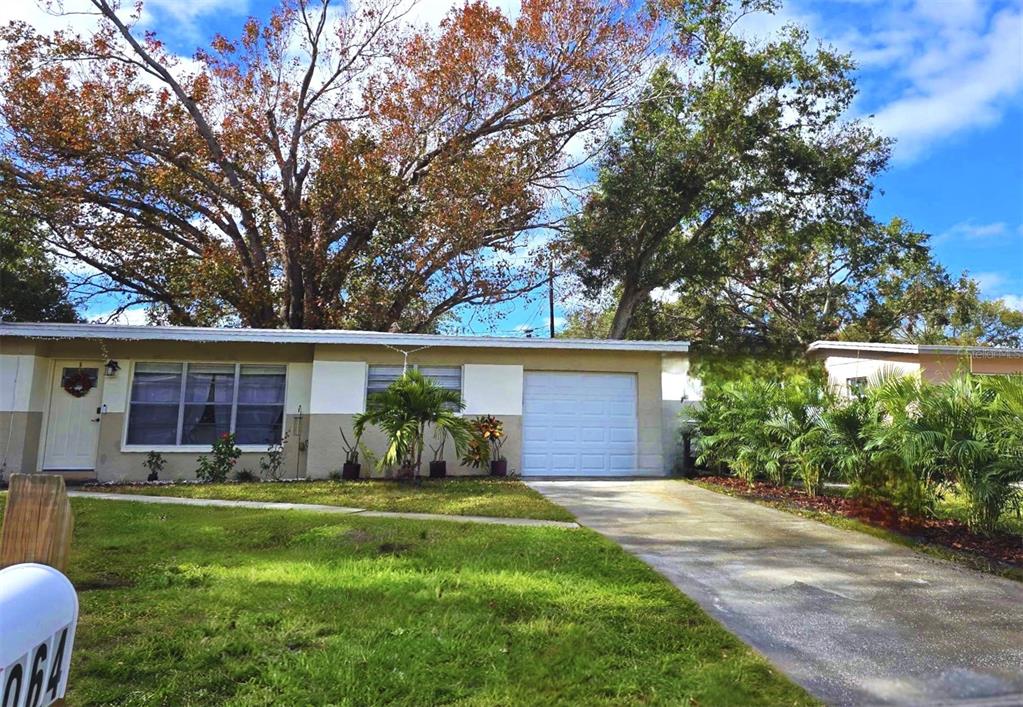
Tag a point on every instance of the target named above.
point(990, 281)
point(930, 70)
point(968, 230)
point(1012, 301)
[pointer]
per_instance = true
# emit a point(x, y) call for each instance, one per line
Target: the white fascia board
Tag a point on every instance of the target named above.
point(321, 336)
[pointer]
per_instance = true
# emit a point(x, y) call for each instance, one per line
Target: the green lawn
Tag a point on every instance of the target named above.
point(453, 496)
point(183, 605)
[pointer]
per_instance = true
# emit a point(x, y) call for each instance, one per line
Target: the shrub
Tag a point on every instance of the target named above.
point(245, 476)
point(216, 468)
point(271, 464)
point(155, 463)
point(733, 429)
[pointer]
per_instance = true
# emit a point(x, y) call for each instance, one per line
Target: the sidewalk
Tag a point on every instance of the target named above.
point(320, 508)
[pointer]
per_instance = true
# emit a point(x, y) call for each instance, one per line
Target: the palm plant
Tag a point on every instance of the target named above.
point(403, 412)
point(794, 426)
point(970, 428)
point(733, 431)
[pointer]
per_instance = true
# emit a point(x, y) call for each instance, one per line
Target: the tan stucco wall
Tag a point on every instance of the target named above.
point(942, 367)
point(112, 464)
point(656, 419)
point(19, 441)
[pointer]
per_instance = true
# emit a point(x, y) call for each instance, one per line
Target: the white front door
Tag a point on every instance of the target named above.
point(72, 426)
point(579, 424)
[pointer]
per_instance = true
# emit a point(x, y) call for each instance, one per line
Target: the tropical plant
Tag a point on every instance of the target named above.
point(403, 412)
point(351, 448)
point(733, 428)
point(966, 426)
point(795, 426)
point(155, 463)
point(225, 453)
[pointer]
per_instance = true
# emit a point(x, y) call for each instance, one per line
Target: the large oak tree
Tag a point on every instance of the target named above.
point(329, 167)
point(743, 152)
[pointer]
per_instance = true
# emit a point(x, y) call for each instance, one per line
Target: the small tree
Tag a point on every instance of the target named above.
point(403, 412)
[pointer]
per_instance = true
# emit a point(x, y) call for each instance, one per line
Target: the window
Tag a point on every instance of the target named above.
point(179, 404)
point(856, 386)
point(380, 377)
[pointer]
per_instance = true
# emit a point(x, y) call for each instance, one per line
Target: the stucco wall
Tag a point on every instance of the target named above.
point(326, 386)
point(19, 441)
point(113, 464)
point(841, 368)
point(23, 390)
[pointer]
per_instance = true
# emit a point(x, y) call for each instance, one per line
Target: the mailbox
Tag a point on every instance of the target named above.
point(38, 615)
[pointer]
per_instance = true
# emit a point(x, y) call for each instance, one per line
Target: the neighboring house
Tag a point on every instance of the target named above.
point(851, 364)
point(97, 398)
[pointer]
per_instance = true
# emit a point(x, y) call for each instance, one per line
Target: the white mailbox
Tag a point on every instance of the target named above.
point(38, 615)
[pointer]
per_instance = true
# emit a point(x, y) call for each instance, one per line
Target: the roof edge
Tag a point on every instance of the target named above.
point(913, 349)
point(41, 330)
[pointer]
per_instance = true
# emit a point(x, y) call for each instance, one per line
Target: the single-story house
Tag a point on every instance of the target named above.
point(94, 400)
point(851, 364)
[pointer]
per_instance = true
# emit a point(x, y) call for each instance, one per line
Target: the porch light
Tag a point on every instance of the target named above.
point(112, 368)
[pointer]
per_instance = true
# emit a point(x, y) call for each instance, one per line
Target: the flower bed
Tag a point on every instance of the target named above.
point(948, 533)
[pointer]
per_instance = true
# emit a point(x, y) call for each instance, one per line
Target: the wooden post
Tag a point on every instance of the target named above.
point(37, 522)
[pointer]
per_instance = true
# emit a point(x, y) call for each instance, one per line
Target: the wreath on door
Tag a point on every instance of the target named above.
point(78, 383)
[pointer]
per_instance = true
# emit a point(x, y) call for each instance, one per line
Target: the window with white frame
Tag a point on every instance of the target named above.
point(856, 386)
point(379, 377)
point(183, 404)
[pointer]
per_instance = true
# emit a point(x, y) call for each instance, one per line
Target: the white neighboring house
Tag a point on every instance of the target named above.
point(851, 364)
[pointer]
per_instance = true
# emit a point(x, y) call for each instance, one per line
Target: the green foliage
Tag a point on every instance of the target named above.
point(31, 287)
point(271, 464)
point(154, 463)
point(900, 439)
point(403, 412)
point(225, 453)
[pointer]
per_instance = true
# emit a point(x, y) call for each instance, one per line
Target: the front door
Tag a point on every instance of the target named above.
point(72, 427)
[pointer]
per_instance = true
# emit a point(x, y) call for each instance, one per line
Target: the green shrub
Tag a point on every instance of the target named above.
point(900, 439)
point(216, 468)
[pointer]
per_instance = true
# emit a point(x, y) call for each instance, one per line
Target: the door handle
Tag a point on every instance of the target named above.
point(95, 419)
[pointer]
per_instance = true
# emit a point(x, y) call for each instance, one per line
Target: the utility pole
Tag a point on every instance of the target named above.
point(550, 295)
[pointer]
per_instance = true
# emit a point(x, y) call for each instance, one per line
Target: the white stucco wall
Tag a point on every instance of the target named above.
point(337, 387)
point(299, 389)
point(492, 389)
point(841, 368)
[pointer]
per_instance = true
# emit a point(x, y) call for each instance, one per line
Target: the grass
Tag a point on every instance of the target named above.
point(504, 498)
point(183, 605)
point(947, 508)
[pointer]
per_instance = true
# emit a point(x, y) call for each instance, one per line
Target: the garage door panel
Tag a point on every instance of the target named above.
point(579, 424)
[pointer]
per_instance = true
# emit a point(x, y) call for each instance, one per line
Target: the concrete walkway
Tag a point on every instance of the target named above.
point(319, 508)
point(854, 619)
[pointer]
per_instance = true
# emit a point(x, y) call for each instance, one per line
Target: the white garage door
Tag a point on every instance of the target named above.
point(579, 424)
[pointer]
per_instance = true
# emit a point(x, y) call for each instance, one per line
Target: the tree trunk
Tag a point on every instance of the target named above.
point(632, 296)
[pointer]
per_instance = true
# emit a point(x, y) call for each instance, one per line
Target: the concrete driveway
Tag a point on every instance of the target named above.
point(853, 619)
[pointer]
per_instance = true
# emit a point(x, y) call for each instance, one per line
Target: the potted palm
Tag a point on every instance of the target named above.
point(404, 411)
point(350, 470)
point(439, 467)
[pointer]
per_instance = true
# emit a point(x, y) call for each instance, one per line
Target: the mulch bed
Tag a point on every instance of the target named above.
point(952, 534)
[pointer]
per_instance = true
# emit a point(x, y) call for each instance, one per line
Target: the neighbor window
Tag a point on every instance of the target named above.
point(856, 386)
point(380, 377)
point(180, 404)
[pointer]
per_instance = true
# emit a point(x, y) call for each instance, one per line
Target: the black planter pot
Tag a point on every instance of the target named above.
point(350, 471)
point(438, 470)
point(499, 467)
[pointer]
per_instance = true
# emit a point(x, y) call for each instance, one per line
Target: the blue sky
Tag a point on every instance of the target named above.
point(942, 77)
